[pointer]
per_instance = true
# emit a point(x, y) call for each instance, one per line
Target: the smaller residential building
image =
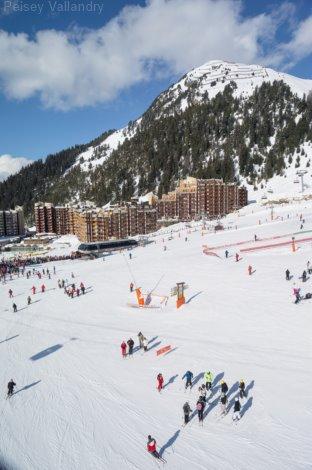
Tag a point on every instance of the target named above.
point(12, 222)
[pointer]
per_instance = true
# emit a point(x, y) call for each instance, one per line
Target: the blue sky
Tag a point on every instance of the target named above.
point(67, 76)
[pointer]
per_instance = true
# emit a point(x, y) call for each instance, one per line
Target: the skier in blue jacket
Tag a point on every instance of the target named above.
point(188, 376)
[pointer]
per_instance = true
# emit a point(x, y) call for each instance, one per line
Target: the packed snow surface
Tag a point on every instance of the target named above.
point(79, 405)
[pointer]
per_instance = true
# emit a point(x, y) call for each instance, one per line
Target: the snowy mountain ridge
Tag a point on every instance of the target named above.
point(209, 79)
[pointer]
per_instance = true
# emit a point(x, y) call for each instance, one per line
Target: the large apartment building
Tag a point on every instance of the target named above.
point(12, 222)
point(198, 197)
point(193, 198)
point(96, 224)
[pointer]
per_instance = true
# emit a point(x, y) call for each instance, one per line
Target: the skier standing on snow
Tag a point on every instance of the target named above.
point(188, 376)
point(10, 293)
point(208, 379)
point(145, 343)
point(304, 276)
point(14, 307)
point(33, 290)
point(237, 408)
point(200, 406)
point(123, 349)
point(224, 387)
point(202, 392)
point(11, 386)
point(186, 410)
point(131, 287)
point(151, 447)
point(28, 300)
point(43, 288)
point(160, 382)
point(242, 392)
point(287, 272)
point(82, 287)
point(223, 401)
point(226, 253)
point(130, 343)
point(140, 337)
point(296, 292)
point(237, 257)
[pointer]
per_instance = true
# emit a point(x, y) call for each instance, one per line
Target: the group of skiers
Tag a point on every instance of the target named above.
point(143, 343)
point(201, 403)
point(297, 290)
point(202, 397)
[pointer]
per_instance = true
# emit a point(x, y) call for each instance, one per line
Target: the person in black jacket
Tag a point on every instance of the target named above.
point(130, 343)
point(200, 406)
point(14, 307)
point(11, 386)
point(242, 392)
point(224, 387)
point(304, 276)
point(237, 408)
point(186, 410)
point(287, 272)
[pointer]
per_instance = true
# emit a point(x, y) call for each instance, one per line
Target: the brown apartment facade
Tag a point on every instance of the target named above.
point(195, 198)
point(96, 224)
point(12, 222)
point(192, 199)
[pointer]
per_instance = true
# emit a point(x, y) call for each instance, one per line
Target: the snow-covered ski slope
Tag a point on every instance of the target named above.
point(80, 406)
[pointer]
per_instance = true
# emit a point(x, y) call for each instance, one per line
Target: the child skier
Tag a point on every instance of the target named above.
point(151, 447)
point(242, 392)
point(186, 410)
point(237, 408)
point(188, 376)
point(140, 336)
point(123, 349)
point(208, 379)
point(223, 401)
point(202, 392)
point(130, 343)
point(224, 387)
point(160, 382)
point(200, 406)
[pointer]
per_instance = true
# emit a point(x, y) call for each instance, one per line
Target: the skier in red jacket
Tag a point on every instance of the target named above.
point(33, 290)
point(160, 381)
point(151, 447)
point(43, 288)
point(123, 349)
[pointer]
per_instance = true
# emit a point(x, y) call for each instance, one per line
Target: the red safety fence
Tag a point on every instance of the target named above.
point(276, 245)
